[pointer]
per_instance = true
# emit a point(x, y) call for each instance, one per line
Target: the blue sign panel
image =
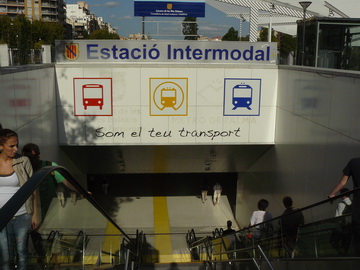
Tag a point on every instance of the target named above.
point(174, 8)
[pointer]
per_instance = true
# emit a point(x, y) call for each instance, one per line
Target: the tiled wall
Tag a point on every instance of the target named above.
point(317, 132)
point(132, 105)
point(28, 106)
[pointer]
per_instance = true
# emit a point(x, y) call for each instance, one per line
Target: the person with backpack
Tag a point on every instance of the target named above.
point(291, 220)
point(343, 207)
point(259, 216)
point(352, 170)
point(53, 186)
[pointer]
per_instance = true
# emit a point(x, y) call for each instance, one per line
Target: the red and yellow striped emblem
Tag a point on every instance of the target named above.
point(71, 51)
point(169, 6)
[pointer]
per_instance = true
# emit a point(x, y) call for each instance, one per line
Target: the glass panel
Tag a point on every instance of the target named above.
point(339, 46)
point(314, 232)
point(73, 232)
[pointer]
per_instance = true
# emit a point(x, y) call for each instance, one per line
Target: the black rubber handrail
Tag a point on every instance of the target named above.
point(330, 200)
point(20, 197)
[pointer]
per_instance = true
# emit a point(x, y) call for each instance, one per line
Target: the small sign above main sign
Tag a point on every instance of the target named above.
point(175, 8)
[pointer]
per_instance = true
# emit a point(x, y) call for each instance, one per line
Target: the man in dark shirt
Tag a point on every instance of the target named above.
point(229, 230)
point(352, 169)
point(290, 221)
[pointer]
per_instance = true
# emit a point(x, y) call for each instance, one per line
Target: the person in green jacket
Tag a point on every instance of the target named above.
point(54, 184)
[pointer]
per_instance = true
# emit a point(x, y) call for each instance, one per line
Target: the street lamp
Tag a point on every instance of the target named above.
point(305, 5)
point(272, 9)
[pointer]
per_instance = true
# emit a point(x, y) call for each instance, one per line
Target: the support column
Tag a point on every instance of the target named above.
point(46, 54)
point(4, 55)
point(254, 13)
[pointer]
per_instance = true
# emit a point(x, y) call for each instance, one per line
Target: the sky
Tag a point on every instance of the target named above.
point(120, 14)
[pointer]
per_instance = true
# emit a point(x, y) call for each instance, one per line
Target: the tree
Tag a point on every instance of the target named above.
point(5, 29)
point(46, 33)
point(264, 35)
point(190, 28)
point(23, 41)
point(231, 35)
point(287, 45)
point(103, 34)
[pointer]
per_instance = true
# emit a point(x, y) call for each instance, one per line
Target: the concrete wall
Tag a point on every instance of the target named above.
point(317, 132)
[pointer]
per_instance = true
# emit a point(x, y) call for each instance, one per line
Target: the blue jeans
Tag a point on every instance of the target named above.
point(15, 234)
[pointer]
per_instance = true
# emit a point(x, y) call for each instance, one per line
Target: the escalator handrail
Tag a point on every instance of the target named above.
point(329, 200)
point(15, 202)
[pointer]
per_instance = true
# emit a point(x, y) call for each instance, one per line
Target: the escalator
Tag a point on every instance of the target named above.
point(75, 234)
point(83, 235)
point(322, 240)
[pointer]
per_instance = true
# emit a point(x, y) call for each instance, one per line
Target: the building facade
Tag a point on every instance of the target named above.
point(45, 10)
point(82, 21)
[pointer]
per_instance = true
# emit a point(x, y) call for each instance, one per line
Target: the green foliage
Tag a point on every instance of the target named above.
point(287, 44)
point(264, 35)
point(85, 34)
point(21, 32)
point(190, 28)
point(103, 34)
point(247, 38)
point(5, 29)
point(24, 44)
point(231, 35)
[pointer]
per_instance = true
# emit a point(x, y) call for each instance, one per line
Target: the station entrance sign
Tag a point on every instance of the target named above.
point(167, 92)
point(138, 51)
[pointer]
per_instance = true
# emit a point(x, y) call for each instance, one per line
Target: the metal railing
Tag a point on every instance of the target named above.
point(75, 234)
point(321, 236)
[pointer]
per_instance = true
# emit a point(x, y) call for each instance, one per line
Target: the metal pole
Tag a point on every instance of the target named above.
point(272, 8)
point(305, 5)
point(143, 27)
point(240, 28)
point(269, 31)
point(303, 41)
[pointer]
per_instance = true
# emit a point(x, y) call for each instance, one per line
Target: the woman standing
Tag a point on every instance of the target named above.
point(15, 170)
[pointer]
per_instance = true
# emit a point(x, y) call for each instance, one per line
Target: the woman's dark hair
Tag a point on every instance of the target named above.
point(229, 223)
point(287, 201)
point(263, 204)
point(5, 134)
point(29, 148)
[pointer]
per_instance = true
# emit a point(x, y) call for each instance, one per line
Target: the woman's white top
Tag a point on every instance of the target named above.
point(259, 216)
point(9, 185)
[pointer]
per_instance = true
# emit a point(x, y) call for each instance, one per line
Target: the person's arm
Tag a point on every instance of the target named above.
point(339, 186)
point(72, 188)
point(68, 185)
point(35, 220)
point(61, 179)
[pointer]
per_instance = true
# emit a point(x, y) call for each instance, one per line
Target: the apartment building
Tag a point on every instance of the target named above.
point(82, 20)
point(45, 10)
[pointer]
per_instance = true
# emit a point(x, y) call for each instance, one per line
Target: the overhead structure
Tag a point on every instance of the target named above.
point(282, 15)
